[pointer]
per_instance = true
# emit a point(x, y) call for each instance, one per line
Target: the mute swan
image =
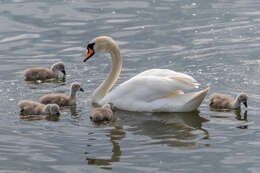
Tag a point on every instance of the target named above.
point(222, 101)
point(155, 90)
point(104, 113)
point(62, 99)
point(35, 108)
point(45, 73)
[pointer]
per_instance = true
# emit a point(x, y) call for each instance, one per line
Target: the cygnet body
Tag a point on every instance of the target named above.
point(222, 101)
point(62, 99)
point(45, 73)
point(34, 108)
point(103, 113)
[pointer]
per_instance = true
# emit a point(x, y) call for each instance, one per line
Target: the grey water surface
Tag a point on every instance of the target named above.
point(215, 41)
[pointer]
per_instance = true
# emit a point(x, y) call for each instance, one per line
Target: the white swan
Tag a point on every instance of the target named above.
point(155, 90)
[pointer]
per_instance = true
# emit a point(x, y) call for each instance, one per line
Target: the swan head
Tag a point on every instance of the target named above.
point(242, 98)
point(99, 44)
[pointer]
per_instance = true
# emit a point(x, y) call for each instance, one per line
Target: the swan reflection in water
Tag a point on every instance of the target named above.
point(181, 130)
point(115, 136)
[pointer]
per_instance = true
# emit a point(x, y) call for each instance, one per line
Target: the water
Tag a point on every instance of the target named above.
point(217, 42)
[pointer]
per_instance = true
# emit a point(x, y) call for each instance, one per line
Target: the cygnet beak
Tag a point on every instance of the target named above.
point(81, 89)
point(64, 72)
point(245, 103)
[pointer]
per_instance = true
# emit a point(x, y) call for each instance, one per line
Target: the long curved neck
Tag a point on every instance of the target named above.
point(72, 94)
point(55, 71)
point(113, 75)
point(236, 103)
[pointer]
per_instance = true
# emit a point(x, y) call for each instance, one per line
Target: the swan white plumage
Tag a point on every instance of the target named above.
point(155, 90)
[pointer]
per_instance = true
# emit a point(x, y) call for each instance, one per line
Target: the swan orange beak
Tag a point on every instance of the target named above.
point(89, 54)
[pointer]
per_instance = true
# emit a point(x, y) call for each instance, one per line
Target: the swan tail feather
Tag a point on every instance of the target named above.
point(197, 99)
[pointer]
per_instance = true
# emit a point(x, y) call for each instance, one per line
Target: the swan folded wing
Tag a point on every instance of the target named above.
point(188, 81)
point(149, 88)
point(166, 73)
point(180, 103)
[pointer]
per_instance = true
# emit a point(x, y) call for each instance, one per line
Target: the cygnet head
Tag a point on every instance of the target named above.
point(242, 98)
point(75, 86)
point(97, 118)
point(52, 109)
point(108, 106)
point(99, 44)
point(59, 66)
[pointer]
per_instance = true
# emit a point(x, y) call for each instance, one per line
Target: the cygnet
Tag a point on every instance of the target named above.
point(40, 73)
point(103, 113)
point(222, 101)
point(62, 99)
point(34, 108)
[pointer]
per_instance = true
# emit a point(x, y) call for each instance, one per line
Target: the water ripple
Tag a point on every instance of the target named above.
point(215, 42)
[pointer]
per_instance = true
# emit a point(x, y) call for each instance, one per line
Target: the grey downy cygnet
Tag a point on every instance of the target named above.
point(40, 73)
point(62, 99)
point(222, 101)
point(104, 113)
point(34, 108)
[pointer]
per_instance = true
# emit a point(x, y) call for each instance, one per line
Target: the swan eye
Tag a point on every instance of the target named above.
point(91, 51)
